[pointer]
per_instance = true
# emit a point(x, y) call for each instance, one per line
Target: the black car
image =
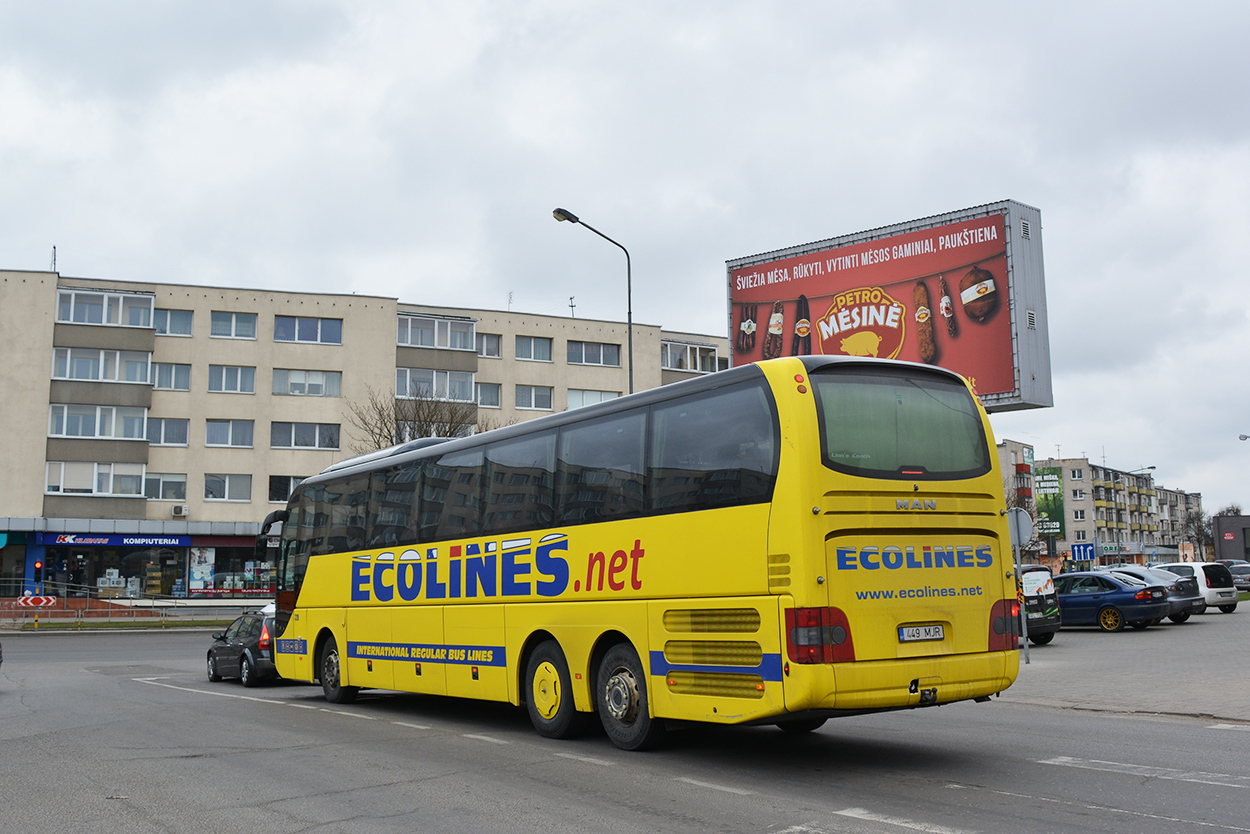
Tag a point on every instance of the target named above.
point(244, 651)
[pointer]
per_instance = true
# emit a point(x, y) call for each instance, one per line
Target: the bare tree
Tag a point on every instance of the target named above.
point(382, 420)
point(1198, 530)
point(1231, 509)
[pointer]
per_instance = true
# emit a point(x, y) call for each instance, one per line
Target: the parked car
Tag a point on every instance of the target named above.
point(244, 650)
point(1228, 563)
point(1109, 600)
point(1041, 605)
point(1184, 598)
point(1241, 576)
point(1214, 581)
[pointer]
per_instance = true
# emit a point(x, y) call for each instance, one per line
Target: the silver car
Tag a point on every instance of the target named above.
point(1184, 597)
point(1241, 576)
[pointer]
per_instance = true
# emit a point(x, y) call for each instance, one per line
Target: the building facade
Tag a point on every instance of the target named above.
point(152, 426)
point(1122, 513)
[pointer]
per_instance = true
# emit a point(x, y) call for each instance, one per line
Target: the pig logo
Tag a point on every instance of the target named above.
point(863, 343)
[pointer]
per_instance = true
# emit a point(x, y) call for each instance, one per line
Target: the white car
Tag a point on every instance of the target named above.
point(1214, 582)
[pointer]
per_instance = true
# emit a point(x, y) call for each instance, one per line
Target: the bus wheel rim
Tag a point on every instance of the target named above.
point(621, 696)
point(546, 692)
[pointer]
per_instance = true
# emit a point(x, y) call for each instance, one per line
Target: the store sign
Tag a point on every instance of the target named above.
point(1228, 537)
point(112, 540)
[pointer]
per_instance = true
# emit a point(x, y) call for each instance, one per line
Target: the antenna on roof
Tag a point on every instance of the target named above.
point(54, 259)
point(572, 307)
point(509, 302)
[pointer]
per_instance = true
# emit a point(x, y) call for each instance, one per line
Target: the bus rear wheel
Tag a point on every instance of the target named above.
point(331, 675)
point(550, 693)
point(621, 699)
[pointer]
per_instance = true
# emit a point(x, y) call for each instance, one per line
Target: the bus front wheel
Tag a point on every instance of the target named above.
point(550, 693)
point(621, 699)
point(331, 675)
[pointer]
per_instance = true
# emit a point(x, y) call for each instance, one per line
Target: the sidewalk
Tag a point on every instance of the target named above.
point(1197, 668)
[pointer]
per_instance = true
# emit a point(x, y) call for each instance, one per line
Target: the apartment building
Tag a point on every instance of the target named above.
point(1122, 513)
point(152, 426)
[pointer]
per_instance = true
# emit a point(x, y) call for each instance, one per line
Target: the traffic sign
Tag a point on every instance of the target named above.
point(1083, 552)
point(36, 602)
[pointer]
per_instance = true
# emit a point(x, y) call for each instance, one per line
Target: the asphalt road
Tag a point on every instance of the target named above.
point(122, 732)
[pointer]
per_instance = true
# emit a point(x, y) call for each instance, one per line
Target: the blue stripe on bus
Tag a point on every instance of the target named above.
point(769, 668)
point(430, 653)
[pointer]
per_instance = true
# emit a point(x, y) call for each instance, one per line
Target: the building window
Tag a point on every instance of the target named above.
point(446, 334)
point(1078, 535)
point(1078, 474)
point(1078, 515)
point(594, 353)
point(114, 423)
point(86, 307)
point(1078, 494)
point(412, 383)
point(167, 431)
point(233, 325)
point(170, 377)
point(101, 365)
point(579, 397)
point(488, 345)
point(676, 356)
point(165, 487)
point(301, 329)
point(172, 322)
point(74, 478)
point(229, 433)
point(295, 383)
point(533, 397)
point(304, 435)
point(535, 348)
point(227, 487)
point(488, 394)
point(281, 486)
point(231, 380)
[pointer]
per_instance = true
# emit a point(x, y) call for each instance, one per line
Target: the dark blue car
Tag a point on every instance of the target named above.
point(1109, 600)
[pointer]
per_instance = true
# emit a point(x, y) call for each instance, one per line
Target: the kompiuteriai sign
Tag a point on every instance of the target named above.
point(963, 290)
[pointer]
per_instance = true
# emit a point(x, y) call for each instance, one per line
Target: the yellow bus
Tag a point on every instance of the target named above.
point(778, 543)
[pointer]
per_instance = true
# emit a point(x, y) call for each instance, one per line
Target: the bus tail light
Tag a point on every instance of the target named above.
point(818, 635)
point(1005, 625)
point(264, 638)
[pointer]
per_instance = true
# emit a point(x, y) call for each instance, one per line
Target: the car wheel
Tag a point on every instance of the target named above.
point(549, 697)
point(247, 674)
point(621, 699)
point(1178, 618)
point(1110, 619)
point(213, 674)
point(807, 725)
point(1228, 609)
point(331, 675)
point(1041, 639)
point(1141, 625)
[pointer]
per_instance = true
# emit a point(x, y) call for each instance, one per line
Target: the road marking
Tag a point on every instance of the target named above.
point(301, 706)
point(1245, 728)
point(725, 788)
point(1090, 806)
point(411, 726)
point(153, 682)
point(913, 825)
point(349, 714)
point(1198, 776)
point(587, 759)
point(485, 738)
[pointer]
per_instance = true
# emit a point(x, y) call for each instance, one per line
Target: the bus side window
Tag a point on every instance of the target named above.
point(717, 449)
point(393, 505)
point(520, 474)
point(455, 509)
point(600, 469)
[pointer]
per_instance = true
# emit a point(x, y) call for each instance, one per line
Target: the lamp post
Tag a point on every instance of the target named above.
point(562, 215)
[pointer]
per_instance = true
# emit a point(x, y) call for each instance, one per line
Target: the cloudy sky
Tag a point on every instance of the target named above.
point(416, 150)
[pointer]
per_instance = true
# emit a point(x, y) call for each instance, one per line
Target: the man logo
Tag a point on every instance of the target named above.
point(915, 504)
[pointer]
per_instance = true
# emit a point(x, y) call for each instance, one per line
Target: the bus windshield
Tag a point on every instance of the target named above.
point(899, 423)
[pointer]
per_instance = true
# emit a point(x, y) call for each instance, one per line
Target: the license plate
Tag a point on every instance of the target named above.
point(918, 634)
point(1036, 615)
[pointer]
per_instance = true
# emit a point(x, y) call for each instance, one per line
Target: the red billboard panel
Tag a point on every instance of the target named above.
point(940, 292)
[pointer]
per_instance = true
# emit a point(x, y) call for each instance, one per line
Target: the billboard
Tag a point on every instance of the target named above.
point(1048, 489)
point(963, 290)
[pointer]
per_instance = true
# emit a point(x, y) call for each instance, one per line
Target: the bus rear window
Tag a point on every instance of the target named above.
point(899, 423)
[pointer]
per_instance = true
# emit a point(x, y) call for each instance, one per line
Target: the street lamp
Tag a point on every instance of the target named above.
point(1243, 437)
point(562, 215)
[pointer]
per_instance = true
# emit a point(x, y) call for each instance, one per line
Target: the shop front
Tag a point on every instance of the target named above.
point(133, 566)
